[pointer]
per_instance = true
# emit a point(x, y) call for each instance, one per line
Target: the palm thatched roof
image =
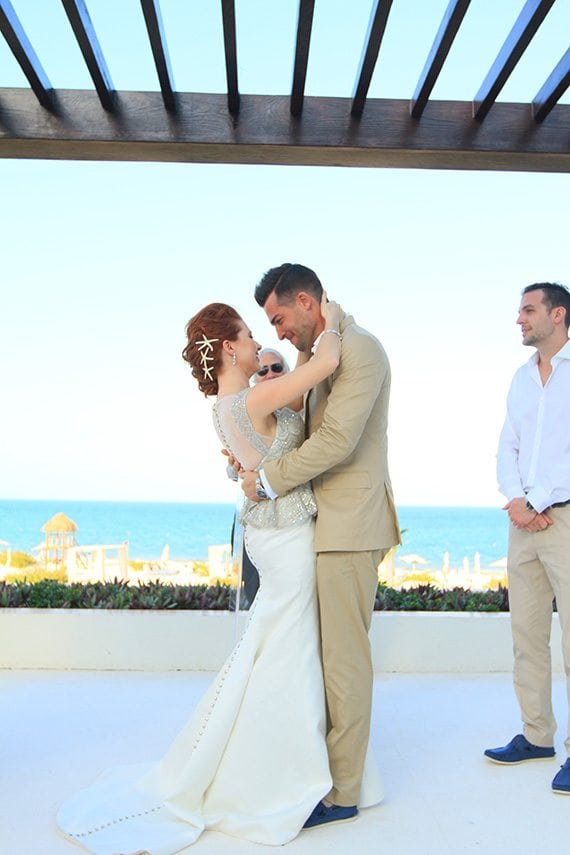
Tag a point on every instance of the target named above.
point(59, 523)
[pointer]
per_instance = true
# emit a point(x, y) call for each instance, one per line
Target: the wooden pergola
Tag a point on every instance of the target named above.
point(168, 125)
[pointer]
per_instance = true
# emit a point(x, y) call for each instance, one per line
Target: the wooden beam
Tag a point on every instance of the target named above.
point(448, 29)
point(230, 51)
point(19, 44)
point(204, 132)
point(304, 26)
point(531, 17)
point(552, 90)
point(373, 41)
point(92, 54)
point(153, 21)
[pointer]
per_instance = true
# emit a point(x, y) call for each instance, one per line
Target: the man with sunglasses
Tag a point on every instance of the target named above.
point(345, 457)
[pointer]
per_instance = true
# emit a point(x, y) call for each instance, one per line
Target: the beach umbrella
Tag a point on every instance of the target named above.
point(502, 563)
point(413, 560)
point(445, 565)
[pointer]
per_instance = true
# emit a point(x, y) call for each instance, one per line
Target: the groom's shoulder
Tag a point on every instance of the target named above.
point(362, 341)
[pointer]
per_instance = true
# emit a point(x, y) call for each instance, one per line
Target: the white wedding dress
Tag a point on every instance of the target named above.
point(252, 760)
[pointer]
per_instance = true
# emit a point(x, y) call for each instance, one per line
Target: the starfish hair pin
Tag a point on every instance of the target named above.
point(206, 346)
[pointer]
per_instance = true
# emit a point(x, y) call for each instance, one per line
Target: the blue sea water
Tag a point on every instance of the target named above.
point(190, 528)
point(431, 531)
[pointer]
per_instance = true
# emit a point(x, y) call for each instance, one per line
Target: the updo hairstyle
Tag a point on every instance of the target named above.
point(215, 321)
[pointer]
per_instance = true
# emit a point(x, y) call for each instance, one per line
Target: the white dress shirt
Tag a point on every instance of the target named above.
point(534, 446)
point(271, 494)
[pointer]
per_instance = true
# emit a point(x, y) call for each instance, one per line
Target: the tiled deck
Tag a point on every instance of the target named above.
point(59, 729)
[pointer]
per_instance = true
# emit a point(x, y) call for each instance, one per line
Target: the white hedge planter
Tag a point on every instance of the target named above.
point(408, 642)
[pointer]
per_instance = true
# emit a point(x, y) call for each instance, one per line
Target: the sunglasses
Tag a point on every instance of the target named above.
point(276, 367)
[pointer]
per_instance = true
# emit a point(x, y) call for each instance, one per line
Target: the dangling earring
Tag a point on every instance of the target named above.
point(234, 359)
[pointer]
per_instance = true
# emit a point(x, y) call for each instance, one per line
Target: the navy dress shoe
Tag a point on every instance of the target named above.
point(323, 815)
point(518, 750)
point(561, 782)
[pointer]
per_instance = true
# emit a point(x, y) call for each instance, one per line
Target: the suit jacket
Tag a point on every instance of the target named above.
point(345, 453)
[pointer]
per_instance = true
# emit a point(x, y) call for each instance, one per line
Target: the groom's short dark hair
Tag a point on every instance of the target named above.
point(554, 295)
point(286, 281)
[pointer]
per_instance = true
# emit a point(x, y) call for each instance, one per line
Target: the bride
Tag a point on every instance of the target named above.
point(252, 760)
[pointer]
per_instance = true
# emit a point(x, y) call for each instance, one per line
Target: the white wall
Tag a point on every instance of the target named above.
point(408, 642)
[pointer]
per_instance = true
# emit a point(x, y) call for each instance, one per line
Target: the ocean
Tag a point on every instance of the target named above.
point(189, 529)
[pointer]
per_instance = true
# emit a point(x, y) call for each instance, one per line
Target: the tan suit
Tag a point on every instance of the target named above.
point(345, 457)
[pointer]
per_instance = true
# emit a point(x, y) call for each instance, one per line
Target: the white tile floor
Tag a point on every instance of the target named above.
point(59, 729)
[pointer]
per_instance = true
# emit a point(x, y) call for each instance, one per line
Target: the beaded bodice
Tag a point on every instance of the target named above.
point(238, 435)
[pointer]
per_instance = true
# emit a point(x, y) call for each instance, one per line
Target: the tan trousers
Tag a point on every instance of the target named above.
point(346, 585)
point(539, 570)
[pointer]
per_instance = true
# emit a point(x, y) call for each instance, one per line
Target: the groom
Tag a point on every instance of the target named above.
point(345, 458)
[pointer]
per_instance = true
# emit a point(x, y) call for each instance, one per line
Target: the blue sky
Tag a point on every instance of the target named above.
point(102, 264)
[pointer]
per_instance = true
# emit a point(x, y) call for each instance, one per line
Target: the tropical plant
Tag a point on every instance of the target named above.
point(430, 598)
point(50, 593)
point(113, 595)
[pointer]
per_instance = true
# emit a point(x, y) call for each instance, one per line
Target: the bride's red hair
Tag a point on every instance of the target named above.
point(215, 321)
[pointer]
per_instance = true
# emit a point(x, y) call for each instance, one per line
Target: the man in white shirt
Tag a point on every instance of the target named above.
point(533, 468)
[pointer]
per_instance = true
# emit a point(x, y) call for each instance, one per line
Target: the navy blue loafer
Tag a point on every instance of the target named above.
point(518, 750)
point(323, 815)
point(561, 782)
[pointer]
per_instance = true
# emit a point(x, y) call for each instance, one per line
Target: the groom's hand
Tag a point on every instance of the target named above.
point(248, 479)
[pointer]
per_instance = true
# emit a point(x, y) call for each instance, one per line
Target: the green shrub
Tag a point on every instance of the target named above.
point(429, 598)
point(51, 593)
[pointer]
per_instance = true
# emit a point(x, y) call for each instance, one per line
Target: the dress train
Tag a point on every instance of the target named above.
point(252, 760)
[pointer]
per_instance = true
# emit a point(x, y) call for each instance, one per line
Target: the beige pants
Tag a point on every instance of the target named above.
point(539, 570)
point(346, 585)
